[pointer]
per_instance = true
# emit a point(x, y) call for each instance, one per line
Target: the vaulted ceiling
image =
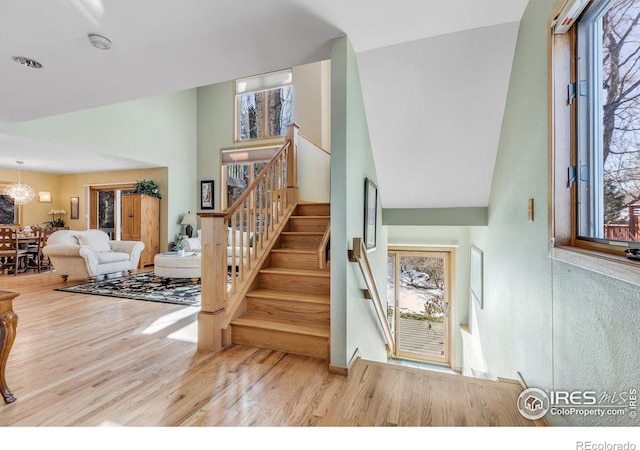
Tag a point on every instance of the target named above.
point(442, 87)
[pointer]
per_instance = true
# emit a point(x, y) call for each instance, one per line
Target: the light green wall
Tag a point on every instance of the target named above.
point(353, 322)
point(435, 216)
point(159, 130)
point(215, 131)
point(456, 239)
point(561, 327)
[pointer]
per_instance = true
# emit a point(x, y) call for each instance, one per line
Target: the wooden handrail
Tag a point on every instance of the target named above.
point(315, 145)
point(359, 255)
point(323, 247)
point(258, 178)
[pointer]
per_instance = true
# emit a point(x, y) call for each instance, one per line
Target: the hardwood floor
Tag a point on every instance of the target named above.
point(85, 360)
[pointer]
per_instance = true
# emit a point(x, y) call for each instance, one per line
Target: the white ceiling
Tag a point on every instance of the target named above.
point(168, 45)
point(444, 99)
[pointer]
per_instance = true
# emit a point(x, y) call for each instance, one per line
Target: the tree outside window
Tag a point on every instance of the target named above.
point(264, 105)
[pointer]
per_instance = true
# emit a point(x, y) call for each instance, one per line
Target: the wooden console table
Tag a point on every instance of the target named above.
point(8, 324)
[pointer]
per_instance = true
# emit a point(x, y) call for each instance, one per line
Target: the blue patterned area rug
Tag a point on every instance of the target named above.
point(144, 286)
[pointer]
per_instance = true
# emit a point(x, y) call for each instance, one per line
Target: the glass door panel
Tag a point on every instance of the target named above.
point(418, 291)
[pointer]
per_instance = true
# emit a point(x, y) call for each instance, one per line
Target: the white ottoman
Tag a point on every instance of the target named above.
point(170, 265)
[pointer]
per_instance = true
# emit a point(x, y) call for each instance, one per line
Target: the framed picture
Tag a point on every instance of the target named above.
point(75, 207)
point(370, 213)
point(475, 282)
point(206, 194)
point(8, 210)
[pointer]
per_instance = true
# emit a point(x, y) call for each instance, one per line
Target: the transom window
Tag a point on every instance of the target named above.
point(264, 105)
point(607, 89)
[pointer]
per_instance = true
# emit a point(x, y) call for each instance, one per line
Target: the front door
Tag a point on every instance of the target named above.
point(420, 303)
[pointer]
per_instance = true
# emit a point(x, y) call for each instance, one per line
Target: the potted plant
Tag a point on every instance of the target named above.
point(56, 218)
point(180, 245)
point(147, 187)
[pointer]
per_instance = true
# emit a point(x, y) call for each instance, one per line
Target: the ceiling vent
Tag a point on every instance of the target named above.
point(27, 62)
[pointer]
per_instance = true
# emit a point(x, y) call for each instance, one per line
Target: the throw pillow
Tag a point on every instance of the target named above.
point(238, 234)
point(98, 242)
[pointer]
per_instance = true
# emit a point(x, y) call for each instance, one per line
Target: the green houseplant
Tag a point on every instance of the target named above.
point(147, 187)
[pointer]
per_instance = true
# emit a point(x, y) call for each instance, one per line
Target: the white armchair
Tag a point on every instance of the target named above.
point(90, 253)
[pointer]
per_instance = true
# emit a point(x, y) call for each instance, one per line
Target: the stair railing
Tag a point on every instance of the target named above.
point(323, 248)
point(359, 255)
point(236, 242)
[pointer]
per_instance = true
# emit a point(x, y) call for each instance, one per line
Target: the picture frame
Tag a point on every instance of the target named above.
point(475, 275)
point(75, 208)
point(370, 213)
point(206, 194)
point(9, 211)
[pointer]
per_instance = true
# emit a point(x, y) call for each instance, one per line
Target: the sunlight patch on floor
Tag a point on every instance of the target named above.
point(422, 365)
point(170, 319)
point(186, 334)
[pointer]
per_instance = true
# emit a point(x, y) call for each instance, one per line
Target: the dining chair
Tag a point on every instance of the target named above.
point(34, 250)
point(45, 262)
point(10, 252)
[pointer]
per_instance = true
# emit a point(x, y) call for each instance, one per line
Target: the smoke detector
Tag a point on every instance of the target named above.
point(99, 42)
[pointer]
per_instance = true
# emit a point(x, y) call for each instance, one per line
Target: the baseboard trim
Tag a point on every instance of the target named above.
point(340, 370)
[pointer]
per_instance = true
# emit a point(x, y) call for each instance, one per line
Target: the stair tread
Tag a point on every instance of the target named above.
point(302, 272)
point(304, 233)
point(310, 329)
point(310, 217)
point(288, 295)
point(305, 251)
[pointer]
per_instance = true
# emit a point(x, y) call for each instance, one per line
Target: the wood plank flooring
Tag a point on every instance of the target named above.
point(85, 360)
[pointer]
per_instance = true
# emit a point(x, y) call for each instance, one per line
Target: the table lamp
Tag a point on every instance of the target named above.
point(188, 219)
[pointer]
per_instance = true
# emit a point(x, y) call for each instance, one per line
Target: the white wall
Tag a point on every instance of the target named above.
point(312, 102)
point(314, 172)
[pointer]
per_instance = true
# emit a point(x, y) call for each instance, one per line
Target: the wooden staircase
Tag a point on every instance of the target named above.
point(288, 309)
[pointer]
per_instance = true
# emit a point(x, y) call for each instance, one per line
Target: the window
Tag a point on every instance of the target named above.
point(264, 105)
point(594, 135)
point(607, 170)
point(240, 167)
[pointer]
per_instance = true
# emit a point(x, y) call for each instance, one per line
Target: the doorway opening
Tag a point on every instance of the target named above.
point(105, 208)
point(420, 305)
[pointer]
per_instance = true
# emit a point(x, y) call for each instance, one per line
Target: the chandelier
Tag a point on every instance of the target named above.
point(20, 193)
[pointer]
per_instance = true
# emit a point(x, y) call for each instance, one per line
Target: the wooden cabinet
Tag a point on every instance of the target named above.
point(141, 222)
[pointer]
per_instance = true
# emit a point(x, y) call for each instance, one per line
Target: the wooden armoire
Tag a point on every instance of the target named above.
point(141, 222)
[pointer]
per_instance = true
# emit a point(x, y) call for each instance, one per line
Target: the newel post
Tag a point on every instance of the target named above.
point(292, 136)
point(212, 314)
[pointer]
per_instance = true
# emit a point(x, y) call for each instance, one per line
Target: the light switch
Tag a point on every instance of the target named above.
point(530, 210)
